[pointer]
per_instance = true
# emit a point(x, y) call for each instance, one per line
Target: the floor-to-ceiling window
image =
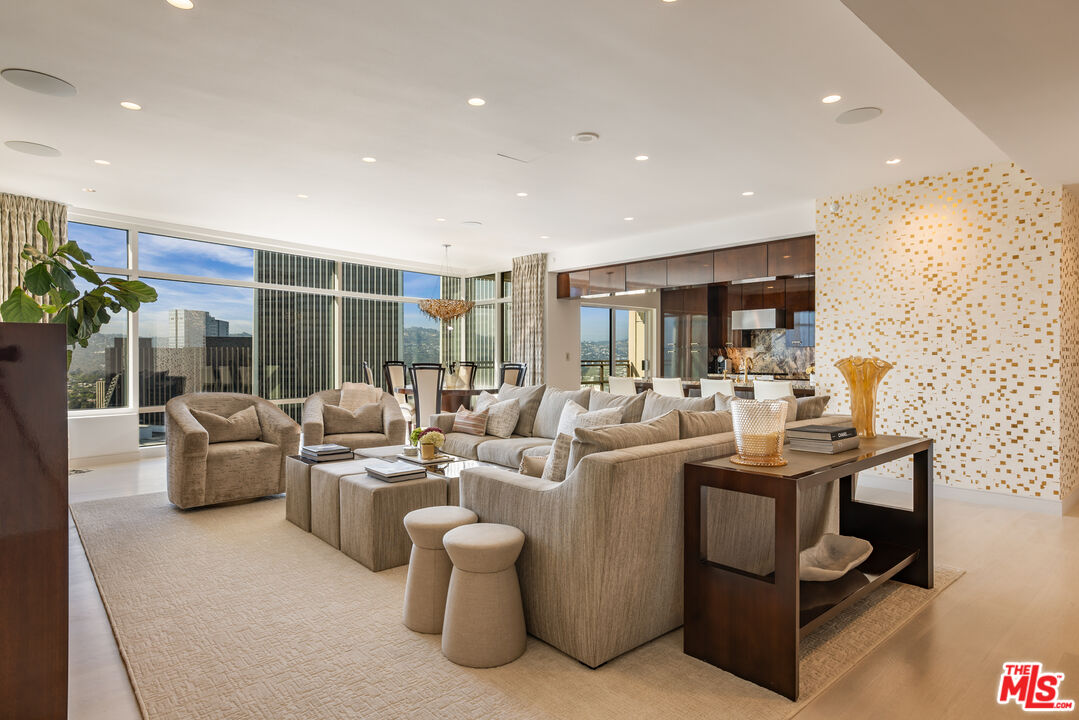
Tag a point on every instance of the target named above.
point(614, 341)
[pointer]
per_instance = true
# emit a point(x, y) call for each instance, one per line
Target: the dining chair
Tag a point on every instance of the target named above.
point(772, 389)
point(466, 374)
point(369, 376)
point(427, 380)
point(512, 374)
point(393, 372)
point(711, 386)
point(671, 387)
point(622, 385)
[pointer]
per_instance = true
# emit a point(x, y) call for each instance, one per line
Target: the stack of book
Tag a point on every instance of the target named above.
point(326, 453)
point(828, 439)
point(394, 471)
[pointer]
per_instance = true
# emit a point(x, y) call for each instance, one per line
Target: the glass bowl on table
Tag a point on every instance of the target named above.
point(759, 429)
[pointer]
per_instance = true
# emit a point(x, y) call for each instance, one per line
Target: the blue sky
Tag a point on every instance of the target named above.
point(595, 324)
point(190, 257)
point(107, 245)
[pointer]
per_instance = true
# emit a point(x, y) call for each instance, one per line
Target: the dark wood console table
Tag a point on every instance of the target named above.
point(751, 625)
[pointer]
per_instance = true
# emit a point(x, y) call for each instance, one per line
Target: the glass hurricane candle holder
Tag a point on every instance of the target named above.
point(759, 427)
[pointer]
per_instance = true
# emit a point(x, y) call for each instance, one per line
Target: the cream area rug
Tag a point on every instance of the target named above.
point(233, 612)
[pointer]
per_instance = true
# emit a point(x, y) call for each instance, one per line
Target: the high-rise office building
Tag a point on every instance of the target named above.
point(190, 328)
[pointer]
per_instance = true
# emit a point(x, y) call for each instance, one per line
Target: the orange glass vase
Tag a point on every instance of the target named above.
point(863, 375)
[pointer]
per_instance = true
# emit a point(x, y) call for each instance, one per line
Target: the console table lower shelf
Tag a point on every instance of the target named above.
point(751, 625)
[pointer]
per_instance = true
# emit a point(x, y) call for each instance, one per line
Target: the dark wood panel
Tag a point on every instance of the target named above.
point(33, 521)
point(792, 257)
point(696, 300)
point(752, 296)
point(740, 263)
point(690, 269)
point(672, 301)
point(646, 275)
point(774, 294)
point(578, 283)
point(607, 279)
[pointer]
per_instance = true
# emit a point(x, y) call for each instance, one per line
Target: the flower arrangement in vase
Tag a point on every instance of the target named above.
point(430, 440)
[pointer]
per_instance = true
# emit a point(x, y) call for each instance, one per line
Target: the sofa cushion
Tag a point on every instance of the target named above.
point(339, 421)
point(242, 469)
point(240, 426)
point(615, 437)
point(555, 467)
point(463, 444)
point(656, 404)
point(358, 440)
point(356, 395)
point(532, 465)
point(812, 407)
point(471, 422)
point(575, 416)
point(508, 451)
point(632, 405)
point(539, 451)
point(550, 409)
point(699, 424)
point(501, 416)
point(528, 397)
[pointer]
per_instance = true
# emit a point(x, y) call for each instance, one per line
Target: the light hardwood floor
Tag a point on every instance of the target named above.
point(1018, 601)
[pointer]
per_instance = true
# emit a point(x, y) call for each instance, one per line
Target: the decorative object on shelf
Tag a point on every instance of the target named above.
point(833, 557)
point(863, 375)
point(811, 373)
point(47, 289)
point(430, 440)
point(445, 309)
point(758, 431)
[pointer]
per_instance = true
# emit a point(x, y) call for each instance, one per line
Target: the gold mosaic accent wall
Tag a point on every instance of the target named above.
point(956, 280)
point(1069, 341)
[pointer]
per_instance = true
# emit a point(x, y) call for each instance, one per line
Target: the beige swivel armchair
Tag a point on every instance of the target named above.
point(204, 473)
point(314, 431)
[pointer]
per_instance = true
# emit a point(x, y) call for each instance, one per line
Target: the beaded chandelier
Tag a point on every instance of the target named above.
point(445, 309)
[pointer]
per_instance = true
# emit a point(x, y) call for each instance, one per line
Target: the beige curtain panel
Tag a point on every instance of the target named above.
point(18, 227)
point(529, 294)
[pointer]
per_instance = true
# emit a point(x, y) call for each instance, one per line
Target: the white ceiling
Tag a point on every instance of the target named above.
point(1011, 67)
point(249, 102)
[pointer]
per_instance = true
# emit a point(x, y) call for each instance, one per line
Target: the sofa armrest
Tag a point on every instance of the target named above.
point(490, 480)
point(443, 421)
point(313, 429)
point(278, 428)
point(185, 435)
point(393, 420)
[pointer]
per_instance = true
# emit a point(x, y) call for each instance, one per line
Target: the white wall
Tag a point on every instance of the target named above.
point(101, 434)
point(562, 338)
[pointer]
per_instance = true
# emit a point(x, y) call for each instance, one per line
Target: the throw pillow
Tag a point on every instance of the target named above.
point(555, 468)
point(574, 416)
point(532, 465)
point(529, 398)
point(656, 405)
point(699, 424)
point(616, 437)
point(723, 402)
point(792, 407)
point(484, 399)
point(356, 395)
point(470, 423)
point(502, 417)
point(339, 421)
point(632, 405)
point(549, 411)
point(243, 425)
point(812, 407)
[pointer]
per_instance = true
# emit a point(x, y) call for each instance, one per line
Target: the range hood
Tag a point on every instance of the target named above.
point(769, 319)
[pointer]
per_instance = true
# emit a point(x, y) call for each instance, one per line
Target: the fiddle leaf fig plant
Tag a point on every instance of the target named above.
point(47, 290)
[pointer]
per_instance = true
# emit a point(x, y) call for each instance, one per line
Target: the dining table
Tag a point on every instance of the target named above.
point(453, 398)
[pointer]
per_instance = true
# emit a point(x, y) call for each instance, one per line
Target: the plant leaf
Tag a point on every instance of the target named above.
point(73, 251)
point(61, 279)
point(138, 288)
point(20, 307)
point(37, 280)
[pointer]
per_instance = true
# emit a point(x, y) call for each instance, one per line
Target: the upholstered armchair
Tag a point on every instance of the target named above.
point(201, 472)
point(314, 428)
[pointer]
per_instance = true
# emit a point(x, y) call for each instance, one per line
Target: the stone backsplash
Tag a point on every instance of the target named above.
point(772, 353)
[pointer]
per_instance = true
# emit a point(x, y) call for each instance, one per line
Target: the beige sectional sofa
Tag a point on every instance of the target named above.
point(601, 568)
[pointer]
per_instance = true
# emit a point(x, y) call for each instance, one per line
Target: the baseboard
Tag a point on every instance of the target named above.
point(1044, 506)
point(146, 453)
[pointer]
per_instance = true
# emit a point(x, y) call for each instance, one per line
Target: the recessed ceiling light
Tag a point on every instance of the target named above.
point(545, 237)
point(586, 137)
point(302, 196)
point(369, 159)
point(38, 82)
point(471, 222)
point(32, 148)
point(748, 193)
point(641, 158)
point(440, 219)
point(182, 4)
point(893, 161)
point(88, 190)
point(477, 102)
point(128, 105)
point(829, 99)
point(522, 194)
point(859, 115)
point(102, 162)
point(628, 219)
point(670, 1)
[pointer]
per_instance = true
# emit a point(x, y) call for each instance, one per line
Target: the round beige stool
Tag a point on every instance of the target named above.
point(485, 623)
point(429, 567)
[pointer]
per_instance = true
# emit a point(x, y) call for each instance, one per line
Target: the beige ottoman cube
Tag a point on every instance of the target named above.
point(429, 566)
point(372, 517)
point(326, 497)
point(298, 491)
point(485, 622)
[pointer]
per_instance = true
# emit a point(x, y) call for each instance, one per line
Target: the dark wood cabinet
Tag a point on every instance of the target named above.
point(799, 292)
point(740, 263)
point(33, 521)
point(573, 284)
point(607, 280)
point(690, 269)
point(649, 275)
point(792, 257)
